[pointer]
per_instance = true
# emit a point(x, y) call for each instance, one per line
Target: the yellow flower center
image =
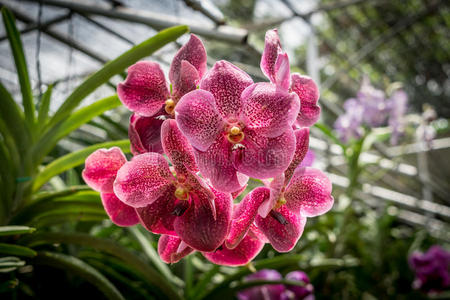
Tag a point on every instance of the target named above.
point(235, 135)
point(281, 201)
point(181, 193)
point(169, 106)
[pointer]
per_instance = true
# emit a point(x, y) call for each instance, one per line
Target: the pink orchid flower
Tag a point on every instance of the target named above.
point(99, 173)
point(275, 65)
point(178, 203)
point(145, 92)
point(280, 210)
point(172, 249)
point(238, 128)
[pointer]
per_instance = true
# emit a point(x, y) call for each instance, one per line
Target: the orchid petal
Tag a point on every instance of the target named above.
point(268, 110)
point(193, 52)
point(198, 118)
point(216, 164)
point(198, 228)
point(284, 232)
point(282, 71)
point(158, 217)
point(226, 82)
point(144, 91)
point(169, 249)
point(308, 92)
point(143, 180)
point(248, 248)
point(269, 56)
point(276, 186)
point(119, 213)
point(244, 214)
point(145, 134)
point(176, 146)
point(301, 148)
point(101, 168)
point(309, 192)
point(187, 81)
point(237, 193)
point(263, 157)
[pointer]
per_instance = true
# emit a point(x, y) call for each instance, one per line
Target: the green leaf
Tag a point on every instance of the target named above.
point(21, 65)
point(115, 67)
point(52, 194)
point(16, 250)
point(204, 280)
point(63, 216)
point(329, 133)
point(14, 230)
point(108, 246)
point(44, 107)
point(82, 269)
point(374, 136)
point(78, 118)
point(74, 159)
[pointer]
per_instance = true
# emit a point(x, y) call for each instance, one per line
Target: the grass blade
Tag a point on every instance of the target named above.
point(16, 250)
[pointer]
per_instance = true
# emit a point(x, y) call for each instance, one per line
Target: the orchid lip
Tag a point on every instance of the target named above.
point(279, 217)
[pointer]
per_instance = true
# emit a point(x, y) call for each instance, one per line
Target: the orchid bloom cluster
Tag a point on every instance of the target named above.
point(432, 269)
point(216, 129)
point(372, 109)
point(278, 291)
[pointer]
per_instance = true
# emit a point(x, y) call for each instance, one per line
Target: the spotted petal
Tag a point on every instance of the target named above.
point(198, 228)
point(269, 56)
point(301, 148)
point(101, 168)
point(226, 82)
point(275, 186)
point(177, 147)
point(158, 217)
point(242, 254)
point(308, 92)
point(268, 110)
point(143, 180)
point(216, 164)
point(282, 71)
point(198, 118)
point(309, 192)
point(119, 213)
point(263, 157)
point(187, 81)
point(144, 91)
point(193, 52)
point(171, 249)
point(145, 134)
point(244, 214)
point(282, 228)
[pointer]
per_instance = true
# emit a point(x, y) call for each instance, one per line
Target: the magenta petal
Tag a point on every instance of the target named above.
point(308, 92)
point(268, 110)
point(226, 82)
point(119, 213)
point(142, 180)
point(244, 215)
point(198, 118)
point(145, 134)
point(144, 91)
point(276, 186)
point(309, 192)
point(283, 237)
point(171, 250)
point(269, 56)
point(301, 148)
point(198, 228)
point(158, 217)
point(263, 157)
point(193, 52)
point(187, 81)
point(216, 164)
point(242, 254)
point(101, 168)
point(282, 71)
point(237, 193)
point(176, 146)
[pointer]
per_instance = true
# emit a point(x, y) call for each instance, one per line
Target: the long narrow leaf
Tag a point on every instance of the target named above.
point(115, 67)
point(21, 64)
point(79, 267)
point(78, 118)
point(44, 107)
point(15, 230)
point(16, 250)
point(74, 159)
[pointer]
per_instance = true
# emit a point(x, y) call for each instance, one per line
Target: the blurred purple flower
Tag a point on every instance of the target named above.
point(309, 159)
point(298, 292)
point(432, 269)
point(398, 104)
point(348, 125)
point(266, 292)
point(373, 101)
